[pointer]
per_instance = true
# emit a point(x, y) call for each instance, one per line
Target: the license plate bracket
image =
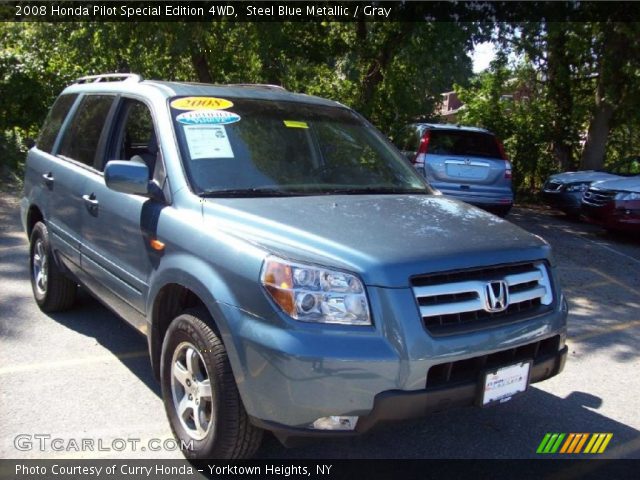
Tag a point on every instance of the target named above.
point(501, 384)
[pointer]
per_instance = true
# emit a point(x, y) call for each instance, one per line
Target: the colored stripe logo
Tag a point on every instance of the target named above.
point(574, 443)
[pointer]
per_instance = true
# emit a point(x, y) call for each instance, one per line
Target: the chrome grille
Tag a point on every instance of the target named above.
point(598, 198)
point(456, 301)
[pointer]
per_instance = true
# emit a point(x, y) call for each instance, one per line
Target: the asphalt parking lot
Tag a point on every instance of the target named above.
point(85, 374)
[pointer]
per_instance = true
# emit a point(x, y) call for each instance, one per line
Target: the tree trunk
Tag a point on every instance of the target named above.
point(594, 148)
point(201, 66)
point(559, 81)
point(608, 97)
point(375, 71)
point(197, 33)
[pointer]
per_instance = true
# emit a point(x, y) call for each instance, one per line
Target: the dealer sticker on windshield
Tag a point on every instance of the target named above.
point(208, 117)
point(502, 384)
point(295, 124)
point(201, 103)
point(207, 141)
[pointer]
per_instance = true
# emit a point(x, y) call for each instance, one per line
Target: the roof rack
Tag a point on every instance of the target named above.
point(257, 85)
point(110, 77)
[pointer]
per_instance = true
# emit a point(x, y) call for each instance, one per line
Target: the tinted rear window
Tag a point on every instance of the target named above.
point(52, 124)
point(468, 144)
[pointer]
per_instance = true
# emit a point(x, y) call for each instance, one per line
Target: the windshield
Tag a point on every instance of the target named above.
point(256, 147)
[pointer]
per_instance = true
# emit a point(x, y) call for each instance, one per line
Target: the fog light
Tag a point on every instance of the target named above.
point(335, 423)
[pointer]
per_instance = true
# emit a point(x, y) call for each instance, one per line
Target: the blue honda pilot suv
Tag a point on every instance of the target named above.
point(290, 269)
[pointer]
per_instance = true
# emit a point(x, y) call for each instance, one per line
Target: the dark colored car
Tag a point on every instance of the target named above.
point(564, 191)
point(465, 163)
point(614, 204)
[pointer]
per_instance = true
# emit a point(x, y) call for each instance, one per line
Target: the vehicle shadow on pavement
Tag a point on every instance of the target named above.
point(512, 430)
point(90, 318)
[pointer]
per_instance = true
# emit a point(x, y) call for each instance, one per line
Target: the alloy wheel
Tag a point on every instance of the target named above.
point(191, 391)
point(40, 267)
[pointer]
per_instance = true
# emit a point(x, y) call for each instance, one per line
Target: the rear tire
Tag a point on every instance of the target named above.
point(501, 211)
point(52, 290)
point(200, 394)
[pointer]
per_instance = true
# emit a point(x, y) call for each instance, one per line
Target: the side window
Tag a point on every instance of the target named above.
point(52, 124)
point(80, 141)
point(135, 137)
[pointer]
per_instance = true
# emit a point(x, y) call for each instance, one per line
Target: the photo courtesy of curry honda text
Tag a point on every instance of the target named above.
point(290, 268)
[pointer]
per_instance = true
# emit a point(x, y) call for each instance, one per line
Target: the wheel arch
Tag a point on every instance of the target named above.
point(34, 215)
point(170, 301)
point(180, 291)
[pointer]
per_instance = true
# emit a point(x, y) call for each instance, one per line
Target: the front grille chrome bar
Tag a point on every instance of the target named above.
point(466, 296)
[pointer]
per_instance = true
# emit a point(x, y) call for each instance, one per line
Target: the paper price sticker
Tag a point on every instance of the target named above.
point(207, 141)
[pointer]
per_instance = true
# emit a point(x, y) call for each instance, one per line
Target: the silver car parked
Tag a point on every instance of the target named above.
point(465, 163)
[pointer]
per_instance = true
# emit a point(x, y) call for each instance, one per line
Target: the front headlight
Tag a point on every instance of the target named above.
point(577, 187)
point(315, 294)
point(627, 196)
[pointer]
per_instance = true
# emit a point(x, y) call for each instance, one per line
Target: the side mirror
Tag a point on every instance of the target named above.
point(29, 143)
point(127, 177)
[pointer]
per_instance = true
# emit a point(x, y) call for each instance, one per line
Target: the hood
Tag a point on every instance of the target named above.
point(584, 176)
point(384, 238)
point(627, 184)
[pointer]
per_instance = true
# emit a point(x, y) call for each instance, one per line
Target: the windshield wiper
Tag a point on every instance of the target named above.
point(248, 193)
point(374, 191)
point(276, 192)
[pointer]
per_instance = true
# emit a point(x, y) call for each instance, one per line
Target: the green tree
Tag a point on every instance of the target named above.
point(590, 71)
point(511, 102)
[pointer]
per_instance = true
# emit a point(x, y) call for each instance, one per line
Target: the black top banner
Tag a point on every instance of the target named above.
point(304, 11)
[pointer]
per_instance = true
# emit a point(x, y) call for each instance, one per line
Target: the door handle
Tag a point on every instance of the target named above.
point(47, 179)
point(90, 201)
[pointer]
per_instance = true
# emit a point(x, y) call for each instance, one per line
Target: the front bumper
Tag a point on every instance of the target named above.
point(290, 376)
point(615, 215)
point(568, 202)
point(397, 405)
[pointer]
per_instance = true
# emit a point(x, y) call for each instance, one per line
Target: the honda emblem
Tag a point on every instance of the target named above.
point(496, 296)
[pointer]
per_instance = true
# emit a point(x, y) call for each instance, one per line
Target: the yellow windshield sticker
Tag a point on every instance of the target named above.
point(295, 124)
point(201, 103)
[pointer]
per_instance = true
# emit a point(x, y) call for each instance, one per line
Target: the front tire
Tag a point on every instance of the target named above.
point(52, 290)
point(200, 393)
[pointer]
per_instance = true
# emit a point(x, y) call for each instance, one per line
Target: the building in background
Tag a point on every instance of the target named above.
point(450, 107)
